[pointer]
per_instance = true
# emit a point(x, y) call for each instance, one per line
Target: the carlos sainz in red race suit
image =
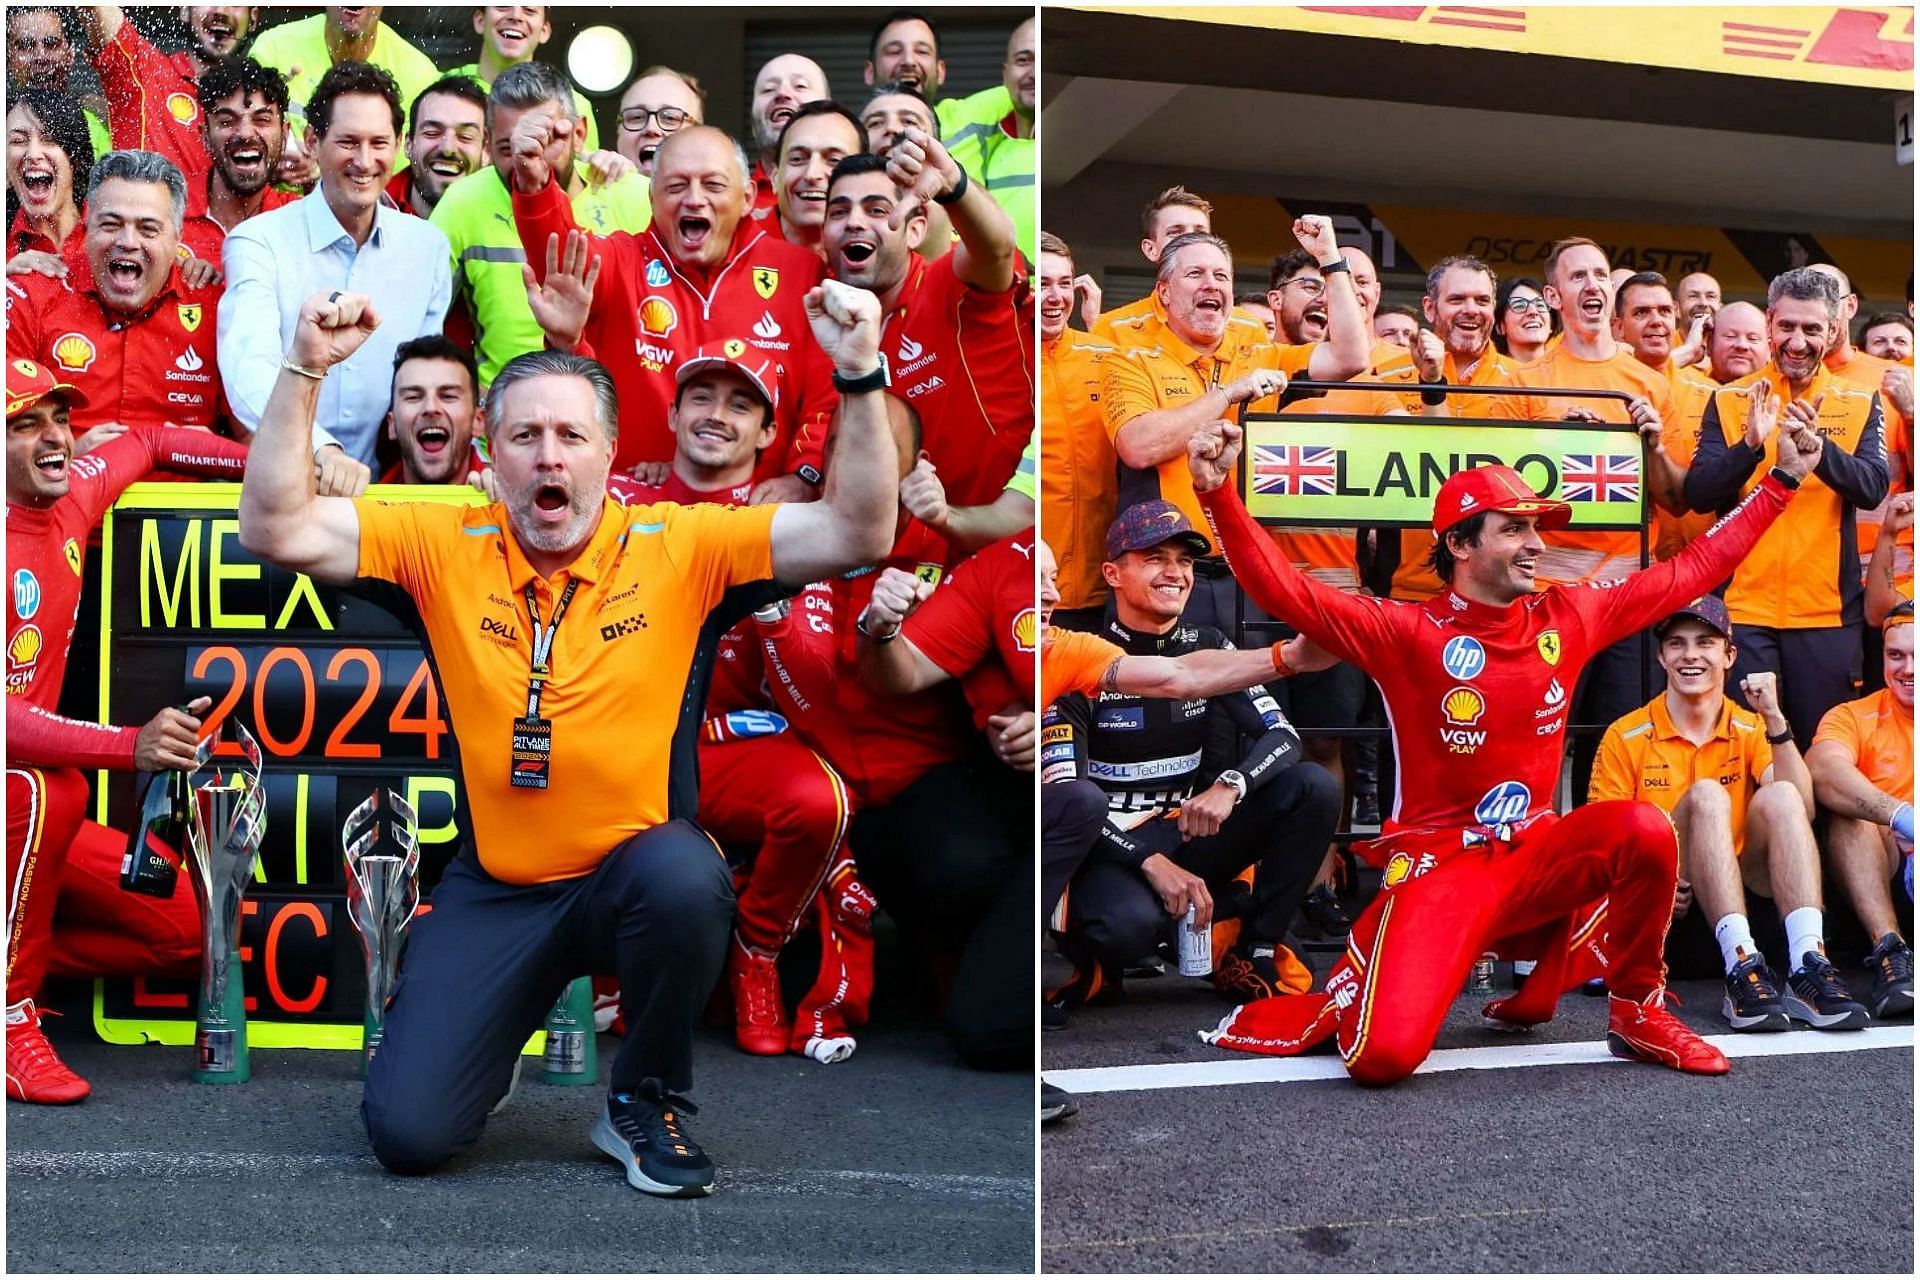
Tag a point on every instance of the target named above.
point(1476, 683)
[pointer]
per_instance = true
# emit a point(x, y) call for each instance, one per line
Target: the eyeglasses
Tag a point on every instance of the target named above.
point(1312, 286)
point(1524, 305)
point(634, 119)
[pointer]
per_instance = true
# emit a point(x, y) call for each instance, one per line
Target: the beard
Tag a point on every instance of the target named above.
point(583, 509)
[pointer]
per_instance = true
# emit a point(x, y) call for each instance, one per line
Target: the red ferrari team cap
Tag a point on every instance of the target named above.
point(29, 382)
point(738, 356)
point(1494, 488)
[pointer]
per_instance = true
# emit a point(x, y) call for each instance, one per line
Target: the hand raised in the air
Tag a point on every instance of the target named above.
point(1211, 452)
point(563, 301)
point(846, 324)
point(331, 327)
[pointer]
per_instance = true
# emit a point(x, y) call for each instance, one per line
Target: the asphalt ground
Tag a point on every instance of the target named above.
point(898, 1159)
point(1788, 1164)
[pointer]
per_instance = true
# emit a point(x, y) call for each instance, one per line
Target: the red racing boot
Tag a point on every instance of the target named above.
point(1645, 1031)
point(34, 1071)
point(759, 1018)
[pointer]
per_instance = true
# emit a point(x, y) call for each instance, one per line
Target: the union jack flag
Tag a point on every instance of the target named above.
point(1293, 470)
point(1599, 477)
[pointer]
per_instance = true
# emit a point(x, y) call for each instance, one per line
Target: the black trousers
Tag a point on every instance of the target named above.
point(951, 860)
point(1282, 829)
point(484, 966)
point(1817, 668)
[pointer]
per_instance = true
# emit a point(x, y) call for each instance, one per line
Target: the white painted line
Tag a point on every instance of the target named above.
point(1260, 1070)
point(182, 1166)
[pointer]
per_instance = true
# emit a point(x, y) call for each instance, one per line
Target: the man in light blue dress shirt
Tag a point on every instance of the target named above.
point(341, 238)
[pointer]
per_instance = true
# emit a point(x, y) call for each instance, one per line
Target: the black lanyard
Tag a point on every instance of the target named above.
point(542, 669)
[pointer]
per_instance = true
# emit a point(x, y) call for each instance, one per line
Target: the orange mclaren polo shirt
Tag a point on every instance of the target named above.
point(1413, 577)
point(1645, 757)
point(1692, 392)
point(634, 638)
point(1805, 571)
point(1878, 735)
point(1074, 662)
point(1589, 555)
point(1077, 480)
point(1155, 369)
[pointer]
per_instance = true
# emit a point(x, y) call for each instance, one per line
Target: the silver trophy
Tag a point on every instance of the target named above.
point(383, 893)
point(223, 844)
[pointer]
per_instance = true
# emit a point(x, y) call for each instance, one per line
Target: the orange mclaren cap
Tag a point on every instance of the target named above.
point(29, 382)
point(1494, 488)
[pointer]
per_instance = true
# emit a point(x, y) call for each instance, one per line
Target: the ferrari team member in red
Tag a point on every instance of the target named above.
point(153, 98)
point(243, 127)
point(702, 273)
point(959, 335)
point(979, 623)
point(56, 862)
point(760, 786)
point(1476, 685)
point(130, 336)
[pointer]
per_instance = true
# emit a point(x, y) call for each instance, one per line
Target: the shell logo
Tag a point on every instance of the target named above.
point(1463, 706)
point(1397, 870)
point(24, 649)
point(182, 107)
point(657, 317)
point(1026, 630)
point(74, 351)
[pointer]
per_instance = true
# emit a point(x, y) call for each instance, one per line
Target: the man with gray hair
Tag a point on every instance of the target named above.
point(1797, 601)
point(701, 275)
point(476, 213)
point(341, 236)
point(570, 631)
point(135, 340)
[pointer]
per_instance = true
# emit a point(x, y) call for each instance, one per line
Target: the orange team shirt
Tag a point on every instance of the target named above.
point(1077, 482)
point(1645, 757)
point(1073, 662)
point(1412, 579)
point(1159, 371)
point(1589, 555)
point(1692, 392)
point(1793, 577)
point(1112, 326)
point(649, 578)
point(1865, 371)
point(1878, 734)
point(1330, 553)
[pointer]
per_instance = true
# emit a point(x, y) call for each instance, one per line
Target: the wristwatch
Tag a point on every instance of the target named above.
point(1235, 779)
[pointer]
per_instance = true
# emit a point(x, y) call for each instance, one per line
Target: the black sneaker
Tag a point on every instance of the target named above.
point(1366, 807)
point(1056, 1104)
point(642, 1131)
point(1243, 977)
point(1089, 984)
point(1322, 914)
point(1891, 964)
point(1753, 1000)
point(1817, 997)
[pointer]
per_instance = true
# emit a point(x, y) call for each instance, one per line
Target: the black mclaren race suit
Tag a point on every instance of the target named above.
point(1115, 771)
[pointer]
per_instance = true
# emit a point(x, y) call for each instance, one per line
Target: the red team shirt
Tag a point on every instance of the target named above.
point(46, 551)
point(153, 103)
point(22, 238)
point(650, 313)
point(963, 358)
point(156, 368)
point(1477, 696)
point(203, 236)
point(984, 608)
